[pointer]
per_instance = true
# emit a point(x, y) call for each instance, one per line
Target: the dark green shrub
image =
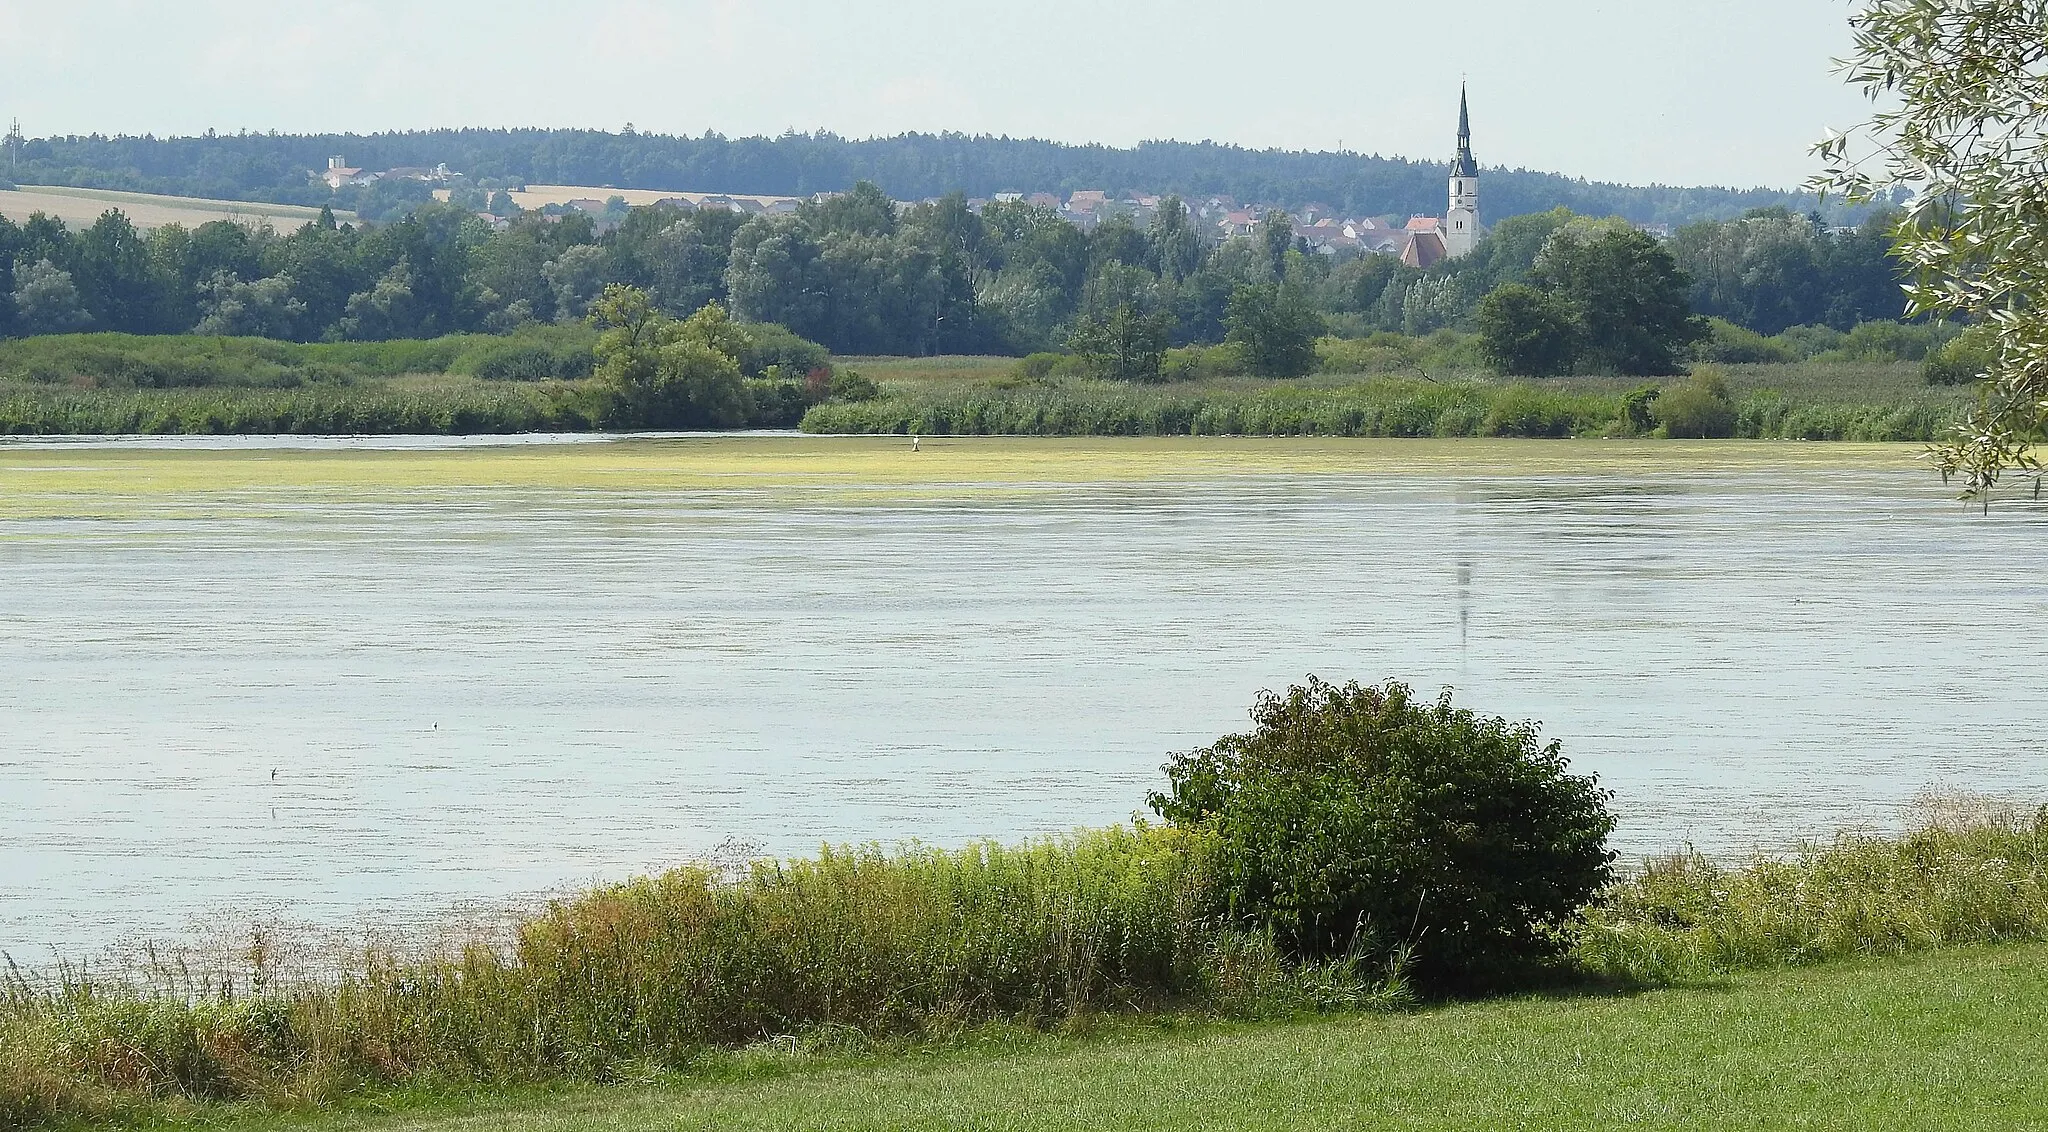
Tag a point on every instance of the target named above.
point(1528, 332)
point(769, 344)
point(852, 385)
point(1361, 821)
point(1696, 409)
point(1638, 414)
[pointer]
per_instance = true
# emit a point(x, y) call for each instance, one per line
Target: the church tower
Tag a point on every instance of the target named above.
point(1461, 223)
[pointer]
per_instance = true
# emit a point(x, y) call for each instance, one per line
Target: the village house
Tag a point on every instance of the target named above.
point(340, 173)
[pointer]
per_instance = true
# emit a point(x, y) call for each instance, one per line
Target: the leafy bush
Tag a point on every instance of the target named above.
point(1198, 363)
point(1810, 341)
point(1384, 352)
point(1041, 365)
point(1637, 414)
point(771, 344)
point(1890, 341)
point(1528, 332)
point(852, 385)
point(1965, 360)
point(1739, 345)
point(1697, 408)
point(1360, 821)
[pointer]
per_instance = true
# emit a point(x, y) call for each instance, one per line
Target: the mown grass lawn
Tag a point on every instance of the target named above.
point(1952, 1040)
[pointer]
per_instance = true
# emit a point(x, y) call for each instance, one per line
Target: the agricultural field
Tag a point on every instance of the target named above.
point(78, 208)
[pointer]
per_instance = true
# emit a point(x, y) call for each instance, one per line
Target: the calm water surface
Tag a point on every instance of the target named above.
point(360, 711)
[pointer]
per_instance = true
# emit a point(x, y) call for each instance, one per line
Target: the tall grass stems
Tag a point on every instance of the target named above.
point(658, 974)
point(1974, 874)
point(1371, 407)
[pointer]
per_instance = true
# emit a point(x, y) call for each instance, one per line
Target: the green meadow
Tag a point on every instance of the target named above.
point(1949, 1041)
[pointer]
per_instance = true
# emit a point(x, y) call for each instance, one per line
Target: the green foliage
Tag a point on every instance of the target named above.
point(1977, 874)
point(850, 385)
point(1697, 408)
point(1727, 342)
point(1963, 113)
point(163, 362)
point(1965, 359)
point(1628, 295)
point(1891, 341)
point(1638, 415)
point(652, 973)
point(1773, 269)
point(1275, 328)
point(1527, 332)
point(1359, 820)
point(1202, 363)
point(1396, 407)
point(313, 410)
point(669, 373)
point(767, 344)
point(1127, 345)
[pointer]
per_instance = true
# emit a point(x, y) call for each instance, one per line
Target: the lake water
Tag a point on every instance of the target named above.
point(342, 711)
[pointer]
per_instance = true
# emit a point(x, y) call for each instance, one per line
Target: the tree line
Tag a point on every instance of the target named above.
point(274, 167)
point(862, 275)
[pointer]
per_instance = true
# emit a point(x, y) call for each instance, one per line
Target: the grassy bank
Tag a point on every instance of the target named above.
point(1810, 401)
point(441, 408)
point(668, 975)
point(1947, 1042)
point(535, 380)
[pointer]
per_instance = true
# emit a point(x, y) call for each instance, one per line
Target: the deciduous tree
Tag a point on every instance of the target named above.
point(1965, 85)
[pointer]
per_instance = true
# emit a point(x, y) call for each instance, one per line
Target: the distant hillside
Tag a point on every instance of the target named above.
point(273, 167)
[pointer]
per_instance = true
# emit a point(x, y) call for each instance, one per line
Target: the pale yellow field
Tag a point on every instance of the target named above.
point(78, 208)
point(76, 481)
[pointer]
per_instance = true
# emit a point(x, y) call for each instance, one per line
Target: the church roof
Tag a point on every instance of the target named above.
point(1463, 165)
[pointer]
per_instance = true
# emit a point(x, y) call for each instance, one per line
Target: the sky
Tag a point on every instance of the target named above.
point(1692, 92)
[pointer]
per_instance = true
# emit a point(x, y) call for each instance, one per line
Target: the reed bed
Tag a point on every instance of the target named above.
point(1971, 873)
point(653, 974)
point(1373, 407)
point(460, 409)
point(665, 973)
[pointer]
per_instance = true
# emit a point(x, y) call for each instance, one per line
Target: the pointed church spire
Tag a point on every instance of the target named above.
point(1464, 166)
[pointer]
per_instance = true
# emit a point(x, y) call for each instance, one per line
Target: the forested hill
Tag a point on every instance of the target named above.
point(273, 167)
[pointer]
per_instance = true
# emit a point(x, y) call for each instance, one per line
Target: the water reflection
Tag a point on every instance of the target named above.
point(347, 710)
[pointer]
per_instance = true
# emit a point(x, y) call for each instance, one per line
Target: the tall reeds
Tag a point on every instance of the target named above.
point(1375, 407)
point(657, 974)
point(1975, 876)
point(656, 971)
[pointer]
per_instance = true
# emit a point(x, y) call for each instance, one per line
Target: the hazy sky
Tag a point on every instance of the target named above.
point(1693, 92)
